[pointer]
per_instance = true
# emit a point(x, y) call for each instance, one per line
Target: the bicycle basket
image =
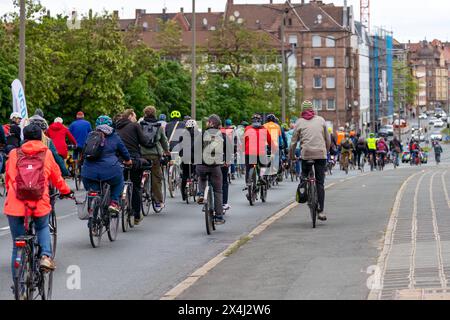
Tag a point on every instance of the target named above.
point(302, 195)
point(82, 209)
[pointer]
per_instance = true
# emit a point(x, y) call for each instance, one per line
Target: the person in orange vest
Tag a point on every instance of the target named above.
point(275, 135)
point(340, 134)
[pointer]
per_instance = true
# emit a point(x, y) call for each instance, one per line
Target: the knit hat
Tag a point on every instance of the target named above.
point(58, 120)
point(307, 105)
point(32, 132)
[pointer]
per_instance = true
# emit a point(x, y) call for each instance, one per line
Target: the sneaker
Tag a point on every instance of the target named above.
point(201, 198)
point(137, 221)
point(47, 263)
point(219, 220)
point(159, 206)
point(322, 217)
point(226, 207)
point(233, 177)
point(114, 209)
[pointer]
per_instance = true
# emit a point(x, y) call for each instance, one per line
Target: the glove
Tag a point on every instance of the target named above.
point(69, 195)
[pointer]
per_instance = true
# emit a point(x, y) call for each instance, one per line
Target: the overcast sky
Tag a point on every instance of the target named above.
point(409, 19)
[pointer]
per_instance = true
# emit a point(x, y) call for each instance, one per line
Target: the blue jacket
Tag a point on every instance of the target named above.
point(108, 166)
point(80, 129)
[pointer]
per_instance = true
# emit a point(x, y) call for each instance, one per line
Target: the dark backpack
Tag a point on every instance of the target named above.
point(151, 132)
point(30, 179)
point(346, 145)
point(95, 143)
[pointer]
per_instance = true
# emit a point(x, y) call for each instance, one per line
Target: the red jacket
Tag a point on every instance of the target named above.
point(58, 133)
point(15, 207)
point(256, 140)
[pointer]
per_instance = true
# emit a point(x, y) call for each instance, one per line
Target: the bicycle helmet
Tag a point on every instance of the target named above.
point(256, 117)
point(330, 130)
point(191, 123)
point(372, 135)
point(104, 120)
point(186, 118)
point(15, 115)
point(175, 114)
point(38, 120)
point(244, 123)
point(162, 117)
point(271, 118)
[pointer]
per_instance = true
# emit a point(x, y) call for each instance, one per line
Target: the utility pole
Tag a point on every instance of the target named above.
point(194, 65)
point(22, 43)
point(283, 66)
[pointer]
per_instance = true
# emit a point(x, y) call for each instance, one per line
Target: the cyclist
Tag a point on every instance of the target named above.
point(414, 149)
point(172, 127)
point(396, 148)
point(361, 150)
point(42, 123)
point(16, 205)
point(58, 133)
point(354, 138)
point(214, 153)
point(229, 136)
point(372, 148)
point(437, 151)
point(162, 121)
point(133, 137)
point(277, 141)
point(258, 144)
point(158, 147)
point(106, 167)
point(382, 150)
point(187, 160)
point(230, 131)
point(311, 131)
point(80, 129)
point(346, 151)
point(289, 135)
point(340, 135)
point(13, 132)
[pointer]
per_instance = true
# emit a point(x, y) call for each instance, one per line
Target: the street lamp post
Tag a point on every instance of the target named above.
point(22, 43)
point(283, 66)
point(194, 65)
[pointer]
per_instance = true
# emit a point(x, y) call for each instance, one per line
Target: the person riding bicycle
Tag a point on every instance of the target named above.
point(231, 142)
point(258, 145)
point(361, 150)
point(437, 151)
point(396, 148)
point(372, 147)
point(133, 137)
point(42, 123)
point(13, 132)
point(382, 150)
point(414, 149)
point(230, 131)
point(162, 121)
point(289, 135)
point(105, 165)
point(174, 136)
point(187, 157)
point(311, 131)
point(159, 146)
point(80, 130)
point(277, 141)
point(20, 203)
point(214, 157)
point(58, 133)
point(346, 151)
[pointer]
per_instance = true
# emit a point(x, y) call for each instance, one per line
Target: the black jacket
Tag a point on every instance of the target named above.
point(169, 129)
point(13, 139)
point(132, 136)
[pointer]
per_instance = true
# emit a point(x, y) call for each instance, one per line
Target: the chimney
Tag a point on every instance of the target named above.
point(116, 14)
point(271, 1)
point(138, 13)
point(209, 10)
point(345, 13)
point(182, 10)
point(303, 2)
point(164, 10)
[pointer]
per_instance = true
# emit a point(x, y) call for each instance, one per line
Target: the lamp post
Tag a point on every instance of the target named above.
point(194, 65)
point(22, 43)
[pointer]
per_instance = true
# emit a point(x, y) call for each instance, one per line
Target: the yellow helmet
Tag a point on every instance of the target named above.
point(330, 130)
point(175, 114)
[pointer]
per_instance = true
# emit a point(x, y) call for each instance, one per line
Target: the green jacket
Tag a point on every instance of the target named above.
point(162, 144)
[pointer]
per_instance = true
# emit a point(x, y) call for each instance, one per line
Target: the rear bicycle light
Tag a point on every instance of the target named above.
point(20, 244)
point(93, 194)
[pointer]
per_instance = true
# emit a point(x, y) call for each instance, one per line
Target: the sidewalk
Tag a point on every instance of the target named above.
point(290, 260)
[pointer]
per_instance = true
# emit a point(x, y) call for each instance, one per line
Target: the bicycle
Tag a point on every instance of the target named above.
point(126, 203)
point(74, 167)
point(52, 223)
point(380, 161)
point(345, 161)
point(256, 185)
point(311, 190)
point(173, 174)
point(100, 220)
point(191, 186)
point(147, 192)
point(30, 280)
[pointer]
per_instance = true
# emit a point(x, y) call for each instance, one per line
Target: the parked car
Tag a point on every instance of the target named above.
point(423, 116)
point(436, 136)
point(438, 123)
point(386, 131)
point(432, 120)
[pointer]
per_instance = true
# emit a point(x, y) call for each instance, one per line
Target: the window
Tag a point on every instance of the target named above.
point(331, 104)
point(347, 62)
point(317, 82)
point(316, 41)
point(330, 62)
point(293, 40)
point(430, 73)
point(317, 103)
point(430, 84)
point(317, 62)
point(290, 21)
point(330, 83)
point(330, 42)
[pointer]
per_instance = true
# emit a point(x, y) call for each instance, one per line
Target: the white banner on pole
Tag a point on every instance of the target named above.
point(19, 102)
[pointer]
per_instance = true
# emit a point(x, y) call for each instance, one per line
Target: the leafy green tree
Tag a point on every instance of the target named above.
point(170, 38)
point(405, 85)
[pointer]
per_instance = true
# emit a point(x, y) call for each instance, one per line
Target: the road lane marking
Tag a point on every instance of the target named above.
point(445, 188)
point(173, 293)
point(375, 293)
point(5, 228)
point(442, 276)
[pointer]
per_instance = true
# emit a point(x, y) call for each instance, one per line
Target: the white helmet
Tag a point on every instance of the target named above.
point(15, 115)
point(191, 123)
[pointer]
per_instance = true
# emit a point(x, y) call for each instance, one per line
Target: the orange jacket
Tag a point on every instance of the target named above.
point(340, 137)
point(15, 207)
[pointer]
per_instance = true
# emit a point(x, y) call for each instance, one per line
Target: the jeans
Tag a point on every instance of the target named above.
point(319, 168)
point(17, 228)
point(116, 184)
point(225, 184)
point(297, 163)
point(215, 174)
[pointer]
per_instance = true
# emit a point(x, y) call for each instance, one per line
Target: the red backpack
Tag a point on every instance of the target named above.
point(30, 179)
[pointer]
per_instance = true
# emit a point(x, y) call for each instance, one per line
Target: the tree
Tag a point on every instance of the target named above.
point(405, 85)
point(170, 38)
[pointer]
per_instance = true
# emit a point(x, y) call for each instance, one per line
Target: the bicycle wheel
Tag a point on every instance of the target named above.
point(313, 203)
point(146, 197)
point(251, 187)
point(124, 210)
point(46, 285)
point(23, 277)
point(113, 227)
point(95, 224)
point(130, 214)
point(208, 217)
point(171, 185)
point(263, 193)
point(53, 226)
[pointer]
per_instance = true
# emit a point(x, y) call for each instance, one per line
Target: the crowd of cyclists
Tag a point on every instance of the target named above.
point(216, 152)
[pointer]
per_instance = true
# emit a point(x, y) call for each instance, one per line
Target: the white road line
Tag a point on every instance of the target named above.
point(375, 293)
point(445, 188)
point(5, 228)
point(437, 237)
point(412, 263)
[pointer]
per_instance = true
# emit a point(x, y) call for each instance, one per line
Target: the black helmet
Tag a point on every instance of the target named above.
point(215, 120)
point(256, 117)
point(271, 118)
